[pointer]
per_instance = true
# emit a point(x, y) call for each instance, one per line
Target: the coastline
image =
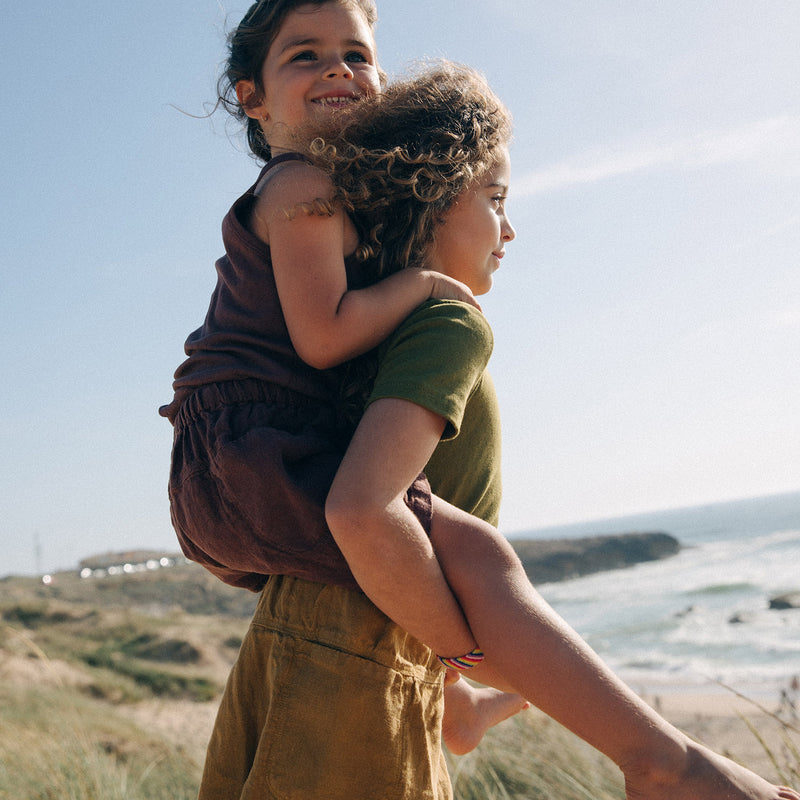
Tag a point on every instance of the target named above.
point(556, 560)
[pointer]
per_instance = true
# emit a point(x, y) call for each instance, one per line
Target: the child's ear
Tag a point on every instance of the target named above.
point(251, 104)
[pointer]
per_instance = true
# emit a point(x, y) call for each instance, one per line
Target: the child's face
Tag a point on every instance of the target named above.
point(471, 239)
point(322, 59)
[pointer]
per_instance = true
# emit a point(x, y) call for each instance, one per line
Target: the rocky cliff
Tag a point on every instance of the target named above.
point(550, 560)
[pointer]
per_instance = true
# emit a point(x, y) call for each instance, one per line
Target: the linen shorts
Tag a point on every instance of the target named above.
point(328, 700)
point(252, 464)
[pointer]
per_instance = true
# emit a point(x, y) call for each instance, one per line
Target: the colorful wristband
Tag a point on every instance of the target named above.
point(461, 663)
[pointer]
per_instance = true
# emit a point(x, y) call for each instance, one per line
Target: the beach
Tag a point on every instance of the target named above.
point(702, 617)
point(720, 721)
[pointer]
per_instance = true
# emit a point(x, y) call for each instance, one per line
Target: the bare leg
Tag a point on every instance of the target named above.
point(531, 649)
point(469, 712)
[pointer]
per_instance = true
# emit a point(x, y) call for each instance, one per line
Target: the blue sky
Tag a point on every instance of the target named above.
point(647, 317)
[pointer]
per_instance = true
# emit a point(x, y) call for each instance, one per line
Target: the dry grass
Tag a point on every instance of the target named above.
point(108, 691)
point(75, 676)
point(530, 757)
point(57, 743)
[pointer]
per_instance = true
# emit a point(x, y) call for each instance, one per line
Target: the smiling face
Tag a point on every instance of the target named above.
point(471, 239)
point(322, 59)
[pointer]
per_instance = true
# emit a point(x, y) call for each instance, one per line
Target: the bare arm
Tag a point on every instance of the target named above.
point(385, 545)
point(328, 323)
point(530, 649)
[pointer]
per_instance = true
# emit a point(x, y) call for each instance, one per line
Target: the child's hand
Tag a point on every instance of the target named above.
point(444, 287)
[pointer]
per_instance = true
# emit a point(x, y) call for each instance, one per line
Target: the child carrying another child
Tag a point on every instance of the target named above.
point(329, 698)
point(256, 434)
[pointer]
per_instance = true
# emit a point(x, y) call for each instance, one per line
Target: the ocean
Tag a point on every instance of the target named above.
point(701, 618)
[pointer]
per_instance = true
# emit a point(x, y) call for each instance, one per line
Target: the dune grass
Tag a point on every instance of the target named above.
point(65, 733)
point(531, 757)
point(55, 742)
point(784, 755)
point(58, 744)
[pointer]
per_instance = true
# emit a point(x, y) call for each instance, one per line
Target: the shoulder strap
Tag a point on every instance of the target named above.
point(273, 162)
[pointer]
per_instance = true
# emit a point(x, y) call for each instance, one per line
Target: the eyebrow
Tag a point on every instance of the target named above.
point(303, 42)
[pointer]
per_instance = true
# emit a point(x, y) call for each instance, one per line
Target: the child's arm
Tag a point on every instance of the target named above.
point(530, 649)
point(384, 544)
point(328, 323)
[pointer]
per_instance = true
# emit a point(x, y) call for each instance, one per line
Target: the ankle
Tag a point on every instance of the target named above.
point(659, 766)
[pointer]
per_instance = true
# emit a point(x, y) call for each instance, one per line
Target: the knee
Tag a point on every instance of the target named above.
point(463, 539)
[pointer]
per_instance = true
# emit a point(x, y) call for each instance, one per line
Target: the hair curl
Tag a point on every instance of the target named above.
point(400, 160)
point(248, 46)
point(398, 163)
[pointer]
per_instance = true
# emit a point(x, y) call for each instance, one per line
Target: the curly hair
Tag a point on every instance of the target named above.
point(248, 45)
point(400, 160)
point(398, 163)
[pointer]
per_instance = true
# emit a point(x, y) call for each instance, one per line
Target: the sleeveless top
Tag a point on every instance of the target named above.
point(257, 433)
point(244, 335)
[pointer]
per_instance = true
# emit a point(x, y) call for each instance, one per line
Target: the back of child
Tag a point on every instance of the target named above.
point(257, 435)
point(257, 443)
point(320, 653)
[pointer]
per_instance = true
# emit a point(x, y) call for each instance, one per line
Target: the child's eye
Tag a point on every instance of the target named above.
point(305, 55)
point(355, 56)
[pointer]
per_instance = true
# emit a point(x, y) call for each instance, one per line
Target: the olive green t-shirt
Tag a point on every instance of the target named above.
point(437, 359)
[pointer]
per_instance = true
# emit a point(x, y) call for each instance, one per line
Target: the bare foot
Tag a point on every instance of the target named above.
point(707, 776)
point(470, 712)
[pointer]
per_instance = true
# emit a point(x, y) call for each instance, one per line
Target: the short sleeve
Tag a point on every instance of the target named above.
point(435, 359)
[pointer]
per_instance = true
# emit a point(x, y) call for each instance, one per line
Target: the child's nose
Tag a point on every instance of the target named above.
point(338, 68)
point(509, 234)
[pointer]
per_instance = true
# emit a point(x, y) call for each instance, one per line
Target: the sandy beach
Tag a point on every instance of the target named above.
point(721, 720)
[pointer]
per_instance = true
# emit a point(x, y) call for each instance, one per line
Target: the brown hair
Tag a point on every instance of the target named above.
point(248, 46)
point(399, 161)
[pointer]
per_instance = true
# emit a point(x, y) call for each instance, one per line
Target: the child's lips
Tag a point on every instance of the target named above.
point(335, 101)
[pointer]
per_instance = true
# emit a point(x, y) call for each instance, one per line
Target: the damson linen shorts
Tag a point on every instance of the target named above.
point(328, 700)
point(252, 464)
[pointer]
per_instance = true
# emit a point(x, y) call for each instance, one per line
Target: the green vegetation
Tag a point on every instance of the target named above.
point(73, 674)
point(59, 744)
point(531, 757)
point(87, 666)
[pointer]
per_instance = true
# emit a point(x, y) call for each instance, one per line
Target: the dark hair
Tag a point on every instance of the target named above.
point(400, 160)
point(248, 46)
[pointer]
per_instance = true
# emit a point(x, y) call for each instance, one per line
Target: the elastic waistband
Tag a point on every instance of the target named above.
point(345, 620)
point(214, 396)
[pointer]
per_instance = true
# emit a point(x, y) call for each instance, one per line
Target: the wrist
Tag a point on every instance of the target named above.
point(427, 279)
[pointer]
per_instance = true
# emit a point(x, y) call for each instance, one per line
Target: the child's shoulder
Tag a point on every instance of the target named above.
point(287, 187)
point(294, 181)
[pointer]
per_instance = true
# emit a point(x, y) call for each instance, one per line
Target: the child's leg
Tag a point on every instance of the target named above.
point(529, 647)
point(469, 712)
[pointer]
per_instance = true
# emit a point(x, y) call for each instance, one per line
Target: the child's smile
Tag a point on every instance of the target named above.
point(337, 101)
point(322, 59)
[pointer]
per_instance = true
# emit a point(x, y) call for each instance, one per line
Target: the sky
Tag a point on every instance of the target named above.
point(646, 318)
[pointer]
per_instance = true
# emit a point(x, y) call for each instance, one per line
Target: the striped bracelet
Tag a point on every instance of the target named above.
point(462, 663)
